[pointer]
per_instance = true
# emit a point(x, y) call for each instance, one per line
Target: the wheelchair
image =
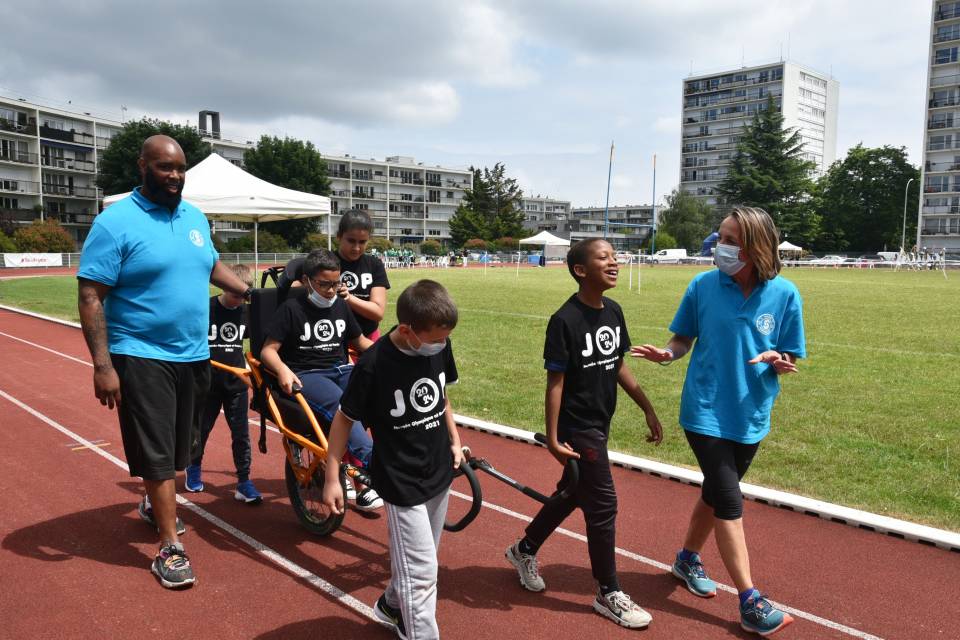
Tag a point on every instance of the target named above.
point(304, 441)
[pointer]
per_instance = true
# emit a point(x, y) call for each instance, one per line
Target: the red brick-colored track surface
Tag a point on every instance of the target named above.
point(75, 556)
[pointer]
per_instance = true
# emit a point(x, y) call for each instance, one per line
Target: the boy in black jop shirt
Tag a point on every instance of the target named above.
point(399, 390)
point(583, 356)
point(306, 344)
point(228, 326)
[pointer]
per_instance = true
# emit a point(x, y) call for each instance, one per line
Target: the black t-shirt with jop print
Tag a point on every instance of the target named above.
point(361, 276)
point(310, 337)
point(227, 329)
point(586, 344)
point(402, 400)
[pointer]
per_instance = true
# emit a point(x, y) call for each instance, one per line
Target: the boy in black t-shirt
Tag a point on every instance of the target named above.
point(228, 326)
point(399, 389)
point(583, 356)
point(306, 344)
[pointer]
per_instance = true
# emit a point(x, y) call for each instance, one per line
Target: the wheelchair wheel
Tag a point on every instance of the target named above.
point(307, 501)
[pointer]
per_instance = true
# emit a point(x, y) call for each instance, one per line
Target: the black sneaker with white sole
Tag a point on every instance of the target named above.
point(172, 567)
point(145, 510)
point(390, 616)
point(368, 500)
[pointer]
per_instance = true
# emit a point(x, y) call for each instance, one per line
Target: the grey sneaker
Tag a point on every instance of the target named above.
point(527, 567)
point(618, 606)
point(145, 510)
point(172, 567)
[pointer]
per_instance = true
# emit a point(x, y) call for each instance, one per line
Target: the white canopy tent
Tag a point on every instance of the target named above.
point(544, 239)
point(224, 191)
point(789, 248)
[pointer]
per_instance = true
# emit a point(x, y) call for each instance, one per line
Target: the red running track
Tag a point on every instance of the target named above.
point(75, 556)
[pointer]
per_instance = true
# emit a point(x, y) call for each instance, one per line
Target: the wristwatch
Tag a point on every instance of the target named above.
point(246, 294)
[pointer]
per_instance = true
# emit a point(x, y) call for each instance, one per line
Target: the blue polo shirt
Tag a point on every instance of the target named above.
point(723, 396)
point(157, 263)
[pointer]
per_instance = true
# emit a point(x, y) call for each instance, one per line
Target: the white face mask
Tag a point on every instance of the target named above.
point(727, 259)
point(318, 300)
point(426, 349)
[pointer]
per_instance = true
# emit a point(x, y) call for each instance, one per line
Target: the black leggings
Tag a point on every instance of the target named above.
point(723, 463)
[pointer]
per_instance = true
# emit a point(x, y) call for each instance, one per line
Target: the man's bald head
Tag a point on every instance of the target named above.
point(163, 167)
point(159, 145)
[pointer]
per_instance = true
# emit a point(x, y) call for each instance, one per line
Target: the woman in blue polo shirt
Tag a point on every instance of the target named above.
point(745, 325)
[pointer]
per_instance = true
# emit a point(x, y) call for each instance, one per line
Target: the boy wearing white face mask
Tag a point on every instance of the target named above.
point(306, 344)
point(399, 389)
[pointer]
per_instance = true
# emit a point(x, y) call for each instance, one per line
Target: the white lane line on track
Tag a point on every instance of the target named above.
point(856, 633)
point(40, 346)
point(273, 556)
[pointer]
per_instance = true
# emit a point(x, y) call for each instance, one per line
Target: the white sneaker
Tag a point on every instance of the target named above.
point(618, 606)
point(527, 567)
point(351, 493)
point(368, 500)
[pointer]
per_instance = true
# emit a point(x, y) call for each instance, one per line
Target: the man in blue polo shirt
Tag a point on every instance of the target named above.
point(143, 302)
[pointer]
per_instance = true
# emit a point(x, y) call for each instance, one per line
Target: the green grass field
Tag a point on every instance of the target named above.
point(872, 420)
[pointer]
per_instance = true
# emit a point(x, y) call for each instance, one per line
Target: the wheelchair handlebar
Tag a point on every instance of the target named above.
point(572, 468)
point(465, 469)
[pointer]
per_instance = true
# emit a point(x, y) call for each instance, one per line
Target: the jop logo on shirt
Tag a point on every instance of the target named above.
point(606, 339)
point(424, 396)
point(322, 330)
point(228, 332)
point(350, 279)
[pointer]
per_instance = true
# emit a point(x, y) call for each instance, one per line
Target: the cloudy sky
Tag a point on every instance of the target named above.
point(541, 85)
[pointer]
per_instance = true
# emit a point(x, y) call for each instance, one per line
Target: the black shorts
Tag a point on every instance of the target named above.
point(723, 463)
point(161, 404)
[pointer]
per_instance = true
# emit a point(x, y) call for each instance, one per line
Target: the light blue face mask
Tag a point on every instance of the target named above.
point(426, 349)
point(318, 300)
point(727, 259)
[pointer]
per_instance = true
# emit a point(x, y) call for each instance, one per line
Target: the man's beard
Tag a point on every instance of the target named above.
point(158, 191)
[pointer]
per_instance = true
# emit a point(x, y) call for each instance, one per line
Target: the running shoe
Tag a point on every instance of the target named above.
point(172, 567)
point(193, 483)
point(527, 567)
point(351, 493)
point(146, 514)
point(757, 615)
point(618, 606)
point(691, 572)
point(390, 616)
point(248, 493)
point(368, 500)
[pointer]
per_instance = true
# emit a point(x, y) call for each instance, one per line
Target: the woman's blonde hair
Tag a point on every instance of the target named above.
point(759, 240)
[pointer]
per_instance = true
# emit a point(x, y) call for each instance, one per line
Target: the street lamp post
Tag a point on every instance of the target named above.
point(903, 235)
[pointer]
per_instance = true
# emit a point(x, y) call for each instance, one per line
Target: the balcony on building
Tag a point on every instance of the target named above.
point(947, 12)
point(15, 185)
point(18, 214)
point(18, 157)
point(944, 81)
point(68, 164)
point(70, 191)
point(23, 126)
point(72, 135)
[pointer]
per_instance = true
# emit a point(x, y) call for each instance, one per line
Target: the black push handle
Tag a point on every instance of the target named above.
point(466, 470)
point(572, 467)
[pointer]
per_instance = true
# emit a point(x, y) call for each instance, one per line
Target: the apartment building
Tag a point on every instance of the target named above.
point(48, 164)
point(625, 226)
point(939, 224)
point(407, 200)
point(717, 106)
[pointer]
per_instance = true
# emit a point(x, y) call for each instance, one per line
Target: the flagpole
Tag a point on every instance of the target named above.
point(653, 239)
point(606, 209)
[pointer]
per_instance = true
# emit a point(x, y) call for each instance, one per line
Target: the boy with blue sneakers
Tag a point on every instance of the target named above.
point(583, 355)
point(228, 327)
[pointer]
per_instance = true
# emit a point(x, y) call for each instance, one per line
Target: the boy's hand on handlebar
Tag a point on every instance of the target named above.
point(562, 452)
point(457, 455)
point(287, 379)
point(333, 497)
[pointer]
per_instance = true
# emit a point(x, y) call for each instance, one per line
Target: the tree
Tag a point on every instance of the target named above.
point(7, 244)
point(430, 248)
point(475, 244)
point(118, 172)
point(44, 237)
point(665, 240)
point(293, 164)
point(688, 220)
point(380, 244)
point(861, 201)
point(266, 243)
point(507, 244)
point(319, 241)
point(768, 171)
point(491, 208)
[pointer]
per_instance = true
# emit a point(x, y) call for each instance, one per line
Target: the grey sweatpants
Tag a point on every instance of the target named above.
point(414, 542)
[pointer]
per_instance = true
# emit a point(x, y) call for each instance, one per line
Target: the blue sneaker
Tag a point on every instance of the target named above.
point(757, 615)
point(692, 573)
point(193, 483)
point(248, 493)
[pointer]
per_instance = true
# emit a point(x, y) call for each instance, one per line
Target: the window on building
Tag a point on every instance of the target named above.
point(9, 203)
point(943, 56)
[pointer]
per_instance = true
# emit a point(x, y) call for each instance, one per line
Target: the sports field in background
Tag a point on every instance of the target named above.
point(872, 420)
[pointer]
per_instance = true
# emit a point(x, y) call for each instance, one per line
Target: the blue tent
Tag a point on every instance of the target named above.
point(708, 243)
